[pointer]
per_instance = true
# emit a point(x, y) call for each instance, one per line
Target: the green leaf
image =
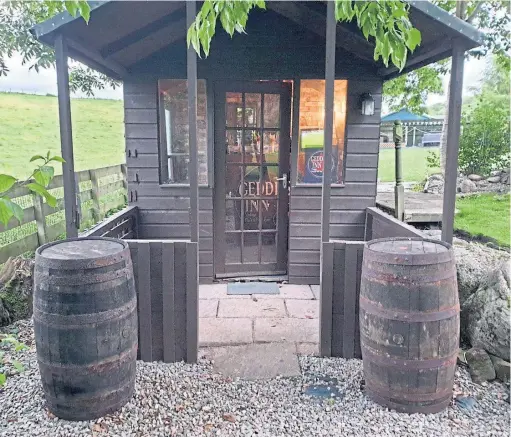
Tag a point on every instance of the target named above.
point(413, 39)
point(2, 379)
point(44, 175)
point(36, 157)
point(17, 211)
point(18, 366)
point(39, 189)
point(6, 211)
point(58, 159)
point(6, 182)
point(84, 10)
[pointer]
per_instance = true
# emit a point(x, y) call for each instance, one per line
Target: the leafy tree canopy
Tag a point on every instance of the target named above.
point(16, 19)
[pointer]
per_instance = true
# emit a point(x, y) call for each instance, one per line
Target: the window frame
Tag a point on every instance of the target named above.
point(295, 138)
point(164, 156)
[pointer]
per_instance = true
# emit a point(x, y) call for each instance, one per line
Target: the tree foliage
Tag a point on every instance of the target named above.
point(384, 22)
point(16, 19)
point(492, 17)
point(37, 183)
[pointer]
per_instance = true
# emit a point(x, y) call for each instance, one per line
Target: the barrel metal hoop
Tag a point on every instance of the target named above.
point(415, 278)
point(78, 320)
point(411, 408)
point(398, 363)
point(411, 397)
point(85, 369)
point(408, 316)
point(82, 279)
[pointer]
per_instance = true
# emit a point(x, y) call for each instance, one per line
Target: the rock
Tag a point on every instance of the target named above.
point(495, 173)
point(502, 368)
point(467, 186)
point(485, 314)
point(434, 184)
point(494, 179)
point(504, 178)
point(475, 177)
point(480, 365)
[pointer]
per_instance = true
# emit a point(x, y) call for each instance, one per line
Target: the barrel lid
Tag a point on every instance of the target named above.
point(408, 246)
point(82, 248)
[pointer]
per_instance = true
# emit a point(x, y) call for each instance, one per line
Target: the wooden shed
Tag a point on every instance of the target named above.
point(261, 151)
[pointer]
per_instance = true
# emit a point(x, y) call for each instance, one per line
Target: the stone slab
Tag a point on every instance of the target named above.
point(286, 329)
point(256, 361)
point(208, 307)
point(289, 291)
point(302, 309)
point(311, 349)
point(251, 308)
point(220, 332)
point(217, 291)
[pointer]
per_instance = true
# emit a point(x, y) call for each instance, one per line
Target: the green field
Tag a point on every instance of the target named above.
point(414, 164)
point(29, 126)
point(485, 215)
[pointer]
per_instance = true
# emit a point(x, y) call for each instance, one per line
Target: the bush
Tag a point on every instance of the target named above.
point(484, 143)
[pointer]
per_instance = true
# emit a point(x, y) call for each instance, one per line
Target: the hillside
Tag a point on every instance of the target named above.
point(29, 126)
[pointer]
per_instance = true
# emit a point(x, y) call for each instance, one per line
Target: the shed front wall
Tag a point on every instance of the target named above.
point(164, 208)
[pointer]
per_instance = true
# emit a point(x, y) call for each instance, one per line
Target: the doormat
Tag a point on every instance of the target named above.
point(252, 288)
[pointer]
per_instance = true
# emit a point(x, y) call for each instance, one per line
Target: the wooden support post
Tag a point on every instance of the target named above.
point(453, 142)
point(399, 189)
point(66, 138)
point(191, 69)
point(329, 120)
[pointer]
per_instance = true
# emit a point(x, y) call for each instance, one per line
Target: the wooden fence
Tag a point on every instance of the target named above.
point(100, 190)
point(340, 284)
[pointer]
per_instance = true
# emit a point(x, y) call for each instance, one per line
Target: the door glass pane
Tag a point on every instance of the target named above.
point(251, 214)
point(233, 178)
point(232, 215)
point(233, 144)
point(251, 247)
point(232, 248)
point(272, 110)
point(269, 247)
point(271, 146)
point(233, 110)
point(269, 213)
point(252, 110)
point(252, 143)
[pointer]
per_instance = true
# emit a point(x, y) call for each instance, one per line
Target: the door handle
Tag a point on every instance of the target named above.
point(284, 180)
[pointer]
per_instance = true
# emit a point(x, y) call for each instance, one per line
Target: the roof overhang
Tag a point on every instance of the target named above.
point(121, 34)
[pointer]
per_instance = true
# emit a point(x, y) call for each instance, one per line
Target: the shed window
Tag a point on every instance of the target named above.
point(311, 136)
point(174, 140)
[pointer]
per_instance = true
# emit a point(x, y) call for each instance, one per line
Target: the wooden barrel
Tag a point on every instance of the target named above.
point(409, 323)
point(85, 323)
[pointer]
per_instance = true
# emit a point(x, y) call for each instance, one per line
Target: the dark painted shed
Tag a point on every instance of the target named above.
point(248, 128)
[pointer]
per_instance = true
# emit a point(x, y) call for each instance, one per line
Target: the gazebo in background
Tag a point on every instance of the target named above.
point(414, 128)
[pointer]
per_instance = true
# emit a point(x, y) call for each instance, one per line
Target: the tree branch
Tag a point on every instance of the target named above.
point(474, 12)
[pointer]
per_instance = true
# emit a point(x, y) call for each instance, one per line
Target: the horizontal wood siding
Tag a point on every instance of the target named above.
point(348, 203)
point(167, 290)
point(340, 291)
point(163, 209)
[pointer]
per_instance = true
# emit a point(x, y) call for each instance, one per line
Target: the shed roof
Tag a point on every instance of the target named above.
point(404, 115)
point(122, 34)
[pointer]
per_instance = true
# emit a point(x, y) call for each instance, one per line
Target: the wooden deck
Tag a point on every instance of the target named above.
point(419, 207)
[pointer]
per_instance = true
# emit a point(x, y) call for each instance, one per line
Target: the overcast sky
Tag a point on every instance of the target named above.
point(20, 79)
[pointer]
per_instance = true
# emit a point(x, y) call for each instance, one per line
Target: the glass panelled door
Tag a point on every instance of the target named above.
point(251, 193)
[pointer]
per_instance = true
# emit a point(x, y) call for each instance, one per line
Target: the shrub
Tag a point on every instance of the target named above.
point(484, 143)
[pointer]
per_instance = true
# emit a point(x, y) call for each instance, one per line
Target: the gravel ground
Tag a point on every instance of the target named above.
point(190, 400)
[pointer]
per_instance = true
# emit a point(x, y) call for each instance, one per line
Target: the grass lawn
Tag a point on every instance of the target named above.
point(414, 164)
point(485, 215)
point(29, 126)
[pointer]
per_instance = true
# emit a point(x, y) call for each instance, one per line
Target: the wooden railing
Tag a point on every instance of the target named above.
point(101, 190)
point(340, 284)
point(123, 224)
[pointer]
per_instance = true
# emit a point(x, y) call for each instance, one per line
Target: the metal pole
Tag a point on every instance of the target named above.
point(66, 139)
point(453, 142)
point(399, 189)
point(191, 68)
point(329, 120)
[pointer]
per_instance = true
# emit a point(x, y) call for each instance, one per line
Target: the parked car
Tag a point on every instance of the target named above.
point(431, 139)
